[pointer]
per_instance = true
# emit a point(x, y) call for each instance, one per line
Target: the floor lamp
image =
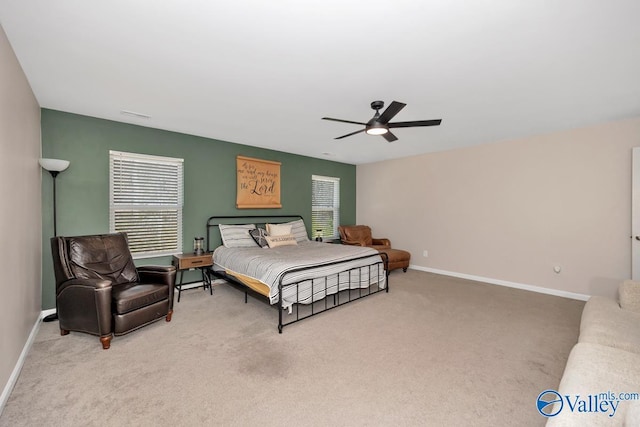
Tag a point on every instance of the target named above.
point(54, 167)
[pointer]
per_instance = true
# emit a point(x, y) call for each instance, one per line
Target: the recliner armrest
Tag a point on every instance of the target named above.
point(161, 274)
point(92, 284)
point(85, 305)
point(629, 294)
point(383, 242)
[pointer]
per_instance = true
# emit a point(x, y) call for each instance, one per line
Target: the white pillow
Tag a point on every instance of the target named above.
point(283, 240)
point(298, 230)
point(278, 229)
point(237, 236)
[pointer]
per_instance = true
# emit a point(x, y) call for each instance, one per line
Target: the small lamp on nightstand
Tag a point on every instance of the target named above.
point(198, 245)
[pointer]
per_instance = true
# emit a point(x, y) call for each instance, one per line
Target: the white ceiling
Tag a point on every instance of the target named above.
point(263, 73)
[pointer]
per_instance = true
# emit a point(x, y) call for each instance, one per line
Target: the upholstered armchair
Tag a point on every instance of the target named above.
point(360, 235)
point(100, 291)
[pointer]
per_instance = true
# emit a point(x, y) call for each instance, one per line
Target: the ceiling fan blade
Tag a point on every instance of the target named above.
point(390, 112)
point(349, 134)
point(415, 123)
point(343, 121)
point(390, 137)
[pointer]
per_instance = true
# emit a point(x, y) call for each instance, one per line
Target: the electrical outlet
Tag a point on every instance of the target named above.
point(425, 253)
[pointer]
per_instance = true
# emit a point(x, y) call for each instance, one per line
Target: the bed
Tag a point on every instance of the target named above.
point(301, 278)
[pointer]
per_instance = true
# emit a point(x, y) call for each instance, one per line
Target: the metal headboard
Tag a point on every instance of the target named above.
point(258, 220)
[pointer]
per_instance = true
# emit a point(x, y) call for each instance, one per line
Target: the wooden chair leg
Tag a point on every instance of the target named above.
point(106, 342)
point(64, 332)
point(169, 315)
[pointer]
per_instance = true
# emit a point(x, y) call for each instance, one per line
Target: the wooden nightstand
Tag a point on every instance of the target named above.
point(189, 261)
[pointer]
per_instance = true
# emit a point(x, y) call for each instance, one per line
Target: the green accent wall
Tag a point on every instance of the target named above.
point(209, 180)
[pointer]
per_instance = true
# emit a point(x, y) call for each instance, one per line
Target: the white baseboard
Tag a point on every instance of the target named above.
point(539, 289)
point(8, 388)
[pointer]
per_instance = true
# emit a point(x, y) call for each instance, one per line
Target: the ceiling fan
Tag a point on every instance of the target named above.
point(379, 124)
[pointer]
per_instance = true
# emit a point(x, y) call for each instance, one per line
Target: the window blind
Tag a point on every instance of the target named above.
point(325, 205)
point(146, 198)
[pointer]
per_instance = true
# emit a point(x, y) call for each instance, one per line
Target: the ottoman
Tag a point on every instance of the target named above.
point(397, 258)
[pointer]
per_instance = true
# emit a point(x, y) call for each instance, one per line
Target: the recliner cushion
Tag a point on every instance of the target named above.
point(132, 296)
point(104, 257)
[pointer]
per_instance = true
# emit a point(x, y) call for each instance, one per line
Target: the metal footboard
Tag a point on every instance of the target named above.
point(377, 275)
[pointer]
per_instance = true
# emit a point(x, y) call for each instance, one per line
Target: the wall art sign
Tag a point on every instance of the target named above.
point(258, 183)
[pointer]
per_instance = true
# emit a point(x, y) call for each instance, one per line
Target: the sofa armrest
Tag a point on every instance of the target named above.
point(381, 242)
point(629, 294)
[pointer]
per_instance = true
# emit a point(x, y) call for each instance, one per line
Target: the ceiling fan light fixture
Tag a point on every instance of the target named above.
point(377, 131)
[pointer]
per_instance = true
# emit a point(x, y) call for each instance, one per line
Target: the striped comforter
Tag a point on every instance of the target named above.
point(314, 283)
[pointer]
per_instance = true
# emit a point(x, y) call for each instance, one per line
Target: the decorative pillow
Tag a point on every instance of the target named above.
point(237, 236)
point(286, 240)
point(260, 236)
point(629, 295)
point(298, 230)
point(278, 229)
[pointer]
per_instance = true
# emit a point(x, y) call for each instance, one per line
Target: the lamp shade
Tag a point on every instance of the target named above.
point(54, 165)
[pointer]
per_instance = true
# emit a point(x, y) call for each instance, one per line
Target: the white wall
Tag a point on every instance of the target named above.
point(510, 211)
point(20, 212)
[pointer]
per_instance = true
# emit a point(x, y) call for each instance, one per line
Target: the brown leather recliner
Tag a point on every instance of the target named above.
point(360, 235)
point(100, 291)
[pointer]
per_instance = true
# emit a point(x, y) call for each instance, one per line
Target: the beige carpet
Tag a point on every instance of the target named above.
point(434, 351)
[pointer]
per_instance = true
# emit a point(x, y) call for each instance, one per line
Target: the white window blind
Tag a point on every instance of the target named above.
point(145, 200)
point(325, 206)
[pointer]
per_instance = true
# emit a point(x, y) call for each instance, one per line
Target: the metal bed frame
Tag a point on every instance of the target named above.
point(298, 311)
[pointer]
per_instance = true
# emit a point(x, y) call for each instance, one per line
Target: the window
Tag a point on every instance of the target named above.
point(325, 205)
point(145, 201)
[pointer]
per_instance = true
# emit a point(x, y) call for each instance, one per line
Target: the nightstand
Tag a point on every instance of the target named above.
point(190, 261)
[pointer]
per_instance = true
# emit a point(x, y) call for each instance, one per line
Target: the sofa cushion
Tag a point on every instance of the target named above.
point(604, 322)
point(629, 293)
point(593, 369)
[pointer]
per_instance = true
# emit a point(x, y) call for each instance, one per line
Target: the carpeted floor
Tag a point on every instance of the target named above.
point(435, 351)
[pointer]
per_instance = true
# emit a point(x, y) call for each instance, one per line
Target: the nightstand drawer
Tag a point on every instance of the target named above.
point(194, 261)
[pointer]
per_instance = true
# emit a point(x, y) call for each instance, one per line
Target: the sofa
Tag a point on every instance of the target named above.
point(360, 235)
point(603, 364)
